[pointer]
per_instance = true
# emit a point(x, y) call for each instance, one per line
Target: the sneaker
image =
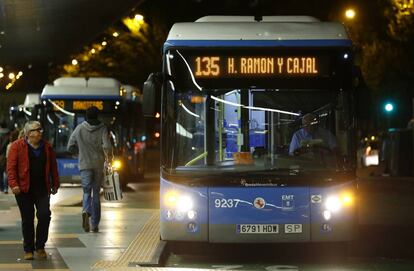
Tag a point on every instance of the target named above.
point(85, 221)
point(41, 253)
point(95, 229)
point(28, 256)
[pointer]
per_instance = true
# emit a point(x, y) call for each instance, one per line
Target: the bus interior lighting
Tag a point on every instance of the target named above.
point(188, 111)
point(50, 120)
point(27, 112)
point(169, 56)
point(61, 109)
point(225, 102)
point(190, 71)
point(253, 107)
point(172, 85)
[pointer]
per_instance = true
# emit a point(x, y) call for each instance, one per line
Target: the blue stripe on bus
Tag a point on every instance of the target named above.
point(258, 43)
point(68, 167)
point(86, 97)
point(280, 205)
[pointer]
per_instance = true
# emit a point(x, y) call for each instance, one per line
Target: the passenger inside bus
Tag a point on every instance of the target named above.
point(311, 135)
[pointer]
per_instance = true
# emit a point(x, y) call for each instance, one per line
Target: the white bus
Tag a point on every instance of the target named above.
point(238, 161)
point(64, 105)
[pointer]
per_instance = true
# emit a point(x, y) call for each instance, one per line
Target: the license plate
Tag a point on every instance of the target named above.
point(257, 228)
point(293, 228)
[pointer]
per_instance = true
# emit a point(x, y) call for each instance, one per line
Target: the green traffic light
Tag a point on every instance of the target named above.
point(389, 107)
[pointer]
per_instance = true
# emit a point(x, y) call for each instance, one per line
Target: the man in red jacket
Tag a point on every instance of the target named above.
point(33, 176)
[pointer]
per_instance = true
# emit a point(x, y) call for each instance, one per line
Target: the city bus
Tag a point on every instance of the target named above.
point(235, 92)
point(22, 113)
point(64, 104)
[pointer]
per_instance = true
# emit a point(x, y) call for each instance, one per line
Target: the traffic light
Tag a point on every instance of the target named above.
point(388, 107)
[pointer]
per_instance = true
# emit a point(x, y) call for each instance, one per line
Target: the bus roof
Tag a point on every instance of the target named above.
point(271, 31)
point(87, 82)
point(285, 19)
point(31, 99)
point(83, 89)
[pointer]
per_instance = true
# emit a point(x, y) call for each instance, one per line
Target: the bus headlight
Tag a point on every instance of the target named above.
point(182, 203)
point(347, 199)
point(116, 164)
point(335, 203)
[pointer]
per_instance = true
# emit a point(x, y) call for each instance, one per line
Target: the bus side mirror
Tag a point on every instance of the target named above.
point(151, 94)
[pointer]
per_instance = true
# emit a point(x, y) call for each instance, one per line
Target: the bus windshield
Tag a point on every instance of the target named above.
point(59, 127)
point(254, 129)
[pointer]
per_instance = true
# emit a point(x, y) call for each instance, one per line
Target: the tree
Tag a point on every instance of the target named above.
point(127, 51)
point(385, 41)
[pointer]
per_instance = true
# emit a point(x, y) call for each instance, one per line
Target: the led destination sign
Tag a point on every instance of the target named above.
point(82, 105)
point(259, 66)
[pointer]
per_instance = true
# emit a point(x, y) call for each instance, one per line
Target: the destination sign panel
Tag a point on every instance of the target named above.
point(82, 105)
point(264, 66)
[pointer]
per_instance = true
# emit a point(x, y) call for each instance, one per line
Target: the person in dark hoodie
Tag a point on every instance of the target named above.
point(90, 140)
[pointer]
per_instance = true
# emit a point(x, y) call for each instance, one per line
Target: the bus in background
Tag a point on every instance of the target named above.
point(20, 114)
point(134, 132)
point(234, 93)
point(64, 104)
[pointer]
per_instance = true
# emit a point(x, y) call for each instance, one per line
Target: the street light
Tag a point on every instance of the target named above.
point(139, 17)
point(350, 14)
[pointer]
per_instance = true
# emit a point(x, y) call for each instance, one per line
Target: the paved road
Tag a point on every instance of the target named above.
point(386, 218)
point(385, 242)
point(385, 234)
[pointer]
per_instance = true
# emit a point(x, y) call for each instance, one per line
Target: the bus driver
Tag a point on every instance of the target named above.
point(310, 131)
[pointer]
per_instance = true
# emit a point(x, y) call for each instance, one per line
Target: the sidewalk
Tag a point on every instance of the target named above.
point(69, 247)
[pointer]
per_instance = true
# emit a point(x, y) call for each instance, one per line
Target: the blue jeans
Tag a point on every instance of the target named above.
point(91, 184)
point(5, 187)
